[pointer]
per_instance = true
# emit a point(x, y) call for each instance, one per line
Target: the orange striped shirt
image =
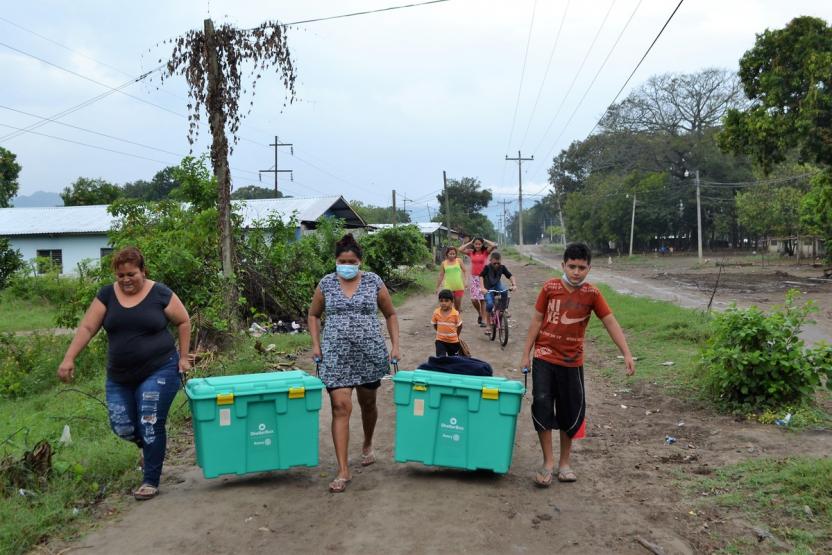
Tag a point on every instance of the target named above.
point(447, 325)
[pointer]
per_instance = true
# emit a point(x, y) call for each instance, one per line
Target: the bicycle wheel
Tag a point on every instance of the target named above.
point(494, 319)
point(503, 331)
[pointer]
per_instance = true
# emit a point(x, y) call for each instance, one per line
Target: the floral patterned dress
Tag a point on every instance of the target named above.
point(352, 347)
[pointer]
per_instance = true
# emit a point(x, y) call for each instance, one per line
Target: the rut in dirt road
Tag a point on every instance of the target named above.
point(626, 488)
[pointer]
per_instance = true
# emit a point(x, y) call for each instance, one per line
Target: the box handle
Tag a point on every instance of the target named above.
point(297, 392)
point(490, 393)
point(225, 398)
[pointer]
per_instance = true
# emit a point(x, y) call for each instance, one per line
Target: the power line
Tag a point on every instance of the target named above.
point(773, 180)
point(366, 12)
point(77, 107)
point(545, 75)
point(591, 83)
point(666, 23)
point(522, 77)
point(575, 78)
point(91, 80)
point(65, 47)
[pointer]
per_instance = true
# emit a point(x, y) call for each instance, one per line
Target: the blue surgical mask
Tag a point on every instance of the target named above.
point(347, 271)
point(568, 282)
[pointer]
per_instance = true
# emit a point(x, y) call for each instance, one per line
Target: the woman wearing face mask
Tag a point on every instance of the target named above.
point(353, 353)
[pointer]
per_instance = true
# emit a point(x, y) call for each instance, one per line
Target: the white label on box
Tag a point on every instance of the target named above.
point(418, 407)
point(225, 417)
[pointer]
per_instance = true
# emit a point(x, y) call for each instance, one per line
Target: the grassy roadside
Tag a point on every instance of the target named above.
point(23, 315)
point(790, 498)
point(424, 281)
point(658, 333)
point(93, 475)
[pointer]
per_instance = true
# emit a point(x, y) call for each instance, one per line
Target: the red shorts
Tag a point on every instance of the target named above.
point(458, 294)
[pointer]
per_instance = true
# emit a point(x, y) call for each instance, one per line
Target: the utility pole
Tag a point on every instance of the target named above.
point(394, 209)
point(505, 202)
point(632, 224)
point(698, 217)
point(276, 171)
point(447, 205)
point(520, 161)
point(560, 216)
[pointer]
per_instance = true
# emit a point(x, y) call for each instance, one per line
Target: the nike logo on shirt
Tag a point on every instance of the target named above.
point(567, 320)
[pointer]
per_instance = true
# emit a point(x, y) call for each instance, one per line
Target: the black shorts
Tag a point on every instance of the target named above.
point(443, 348)
point(369, 385)
point(558, 400)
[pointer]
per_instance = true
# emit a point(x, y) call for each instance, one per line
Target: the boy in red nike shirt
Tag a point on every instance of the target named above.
point(562, 313)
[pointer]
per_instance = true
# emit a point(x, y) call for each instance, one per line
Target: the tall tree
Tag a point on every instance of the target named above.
point(9, 170)
point(158, 188)
point(467, 199)
point(85, 191)
point(788, 77)
point(254, 192)
point(379, 214)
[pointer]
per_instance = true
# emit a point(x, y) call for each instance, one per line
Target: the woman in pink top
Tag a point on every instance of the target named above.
point(477, 250)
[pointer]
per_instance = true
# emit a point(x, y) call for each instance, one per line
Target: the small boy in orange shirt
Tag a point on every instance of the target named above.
point(448, 324)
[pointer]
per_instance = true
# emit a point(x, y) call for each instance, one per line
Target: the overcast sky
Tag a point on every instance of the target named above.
point(385, 101)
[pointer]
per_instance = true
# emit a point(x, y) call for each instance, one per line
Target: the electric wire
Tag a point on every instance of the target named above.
point(575, 78)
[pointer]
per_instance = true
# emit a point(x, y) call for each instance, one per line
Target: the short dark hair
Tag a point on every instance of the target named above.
point(446, 294)
point(577, 251)
point(128, 255)
point(347, 243)
point(496, 256)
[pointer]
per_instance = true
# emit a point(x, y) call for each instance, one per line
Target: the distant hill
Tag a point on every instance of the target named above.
point(38, 198)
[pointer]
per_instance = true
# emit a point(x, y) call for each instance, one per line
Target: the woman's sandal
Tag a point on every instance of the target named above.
point(368, 458)
point(145, 492)
point(566, 475)
point(338, 485)
point(543, 477)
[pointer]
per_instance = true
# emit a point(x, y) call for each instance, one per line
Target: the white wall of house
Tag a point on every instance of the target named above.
point(74, 248)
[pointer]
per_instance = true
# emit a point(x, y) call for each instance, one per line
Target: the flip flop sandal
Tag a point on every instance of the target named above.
point(338, 485)
point(145, 492)
point(543, 478)
point(566, 475)
point(368, 458)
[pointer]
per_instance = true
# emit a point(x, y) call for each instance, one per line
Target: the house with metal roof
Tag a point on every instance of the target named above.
point(436, 235)
point(70, 234)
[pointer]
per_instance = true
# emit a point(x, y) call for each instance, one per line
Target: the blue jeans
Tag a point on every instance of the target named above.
point(138, 414)
point(489, 297)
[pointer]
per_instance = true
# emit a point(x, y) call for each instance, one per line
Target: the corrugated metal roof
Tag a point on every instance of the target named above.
point(96, 219)
point(425, 227)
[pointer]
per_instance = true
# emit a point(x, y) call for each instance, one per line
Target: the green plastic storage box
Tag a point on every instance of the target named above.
point(255, 422)
point(456, 421)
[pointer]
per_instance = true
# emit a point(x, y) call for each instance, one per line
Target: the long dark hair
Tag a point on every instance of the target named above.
point(483, 246)
point(347, 243)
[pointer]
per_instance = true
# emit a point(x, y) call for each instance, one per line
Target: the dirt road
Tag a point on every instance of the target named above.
point(677, 281)
point(627, 487)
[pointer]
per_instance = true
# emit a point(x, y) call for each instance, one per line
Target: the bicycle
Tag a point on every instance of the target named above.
point(499, 322)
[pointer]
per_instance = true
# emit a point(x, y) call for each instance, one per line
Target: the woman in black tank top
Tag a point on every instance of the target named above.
point(143, 365)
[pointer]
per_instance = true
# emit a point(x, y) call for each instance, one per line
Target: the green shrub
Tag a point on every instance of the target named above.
point(10, 261)
point(755, 360)
point(29, 364)
point(279, 270)
point(391, 249)
point(30, 284)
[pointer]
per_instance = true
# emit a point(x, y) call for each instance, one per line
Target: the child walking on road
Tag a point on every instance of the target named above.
point(448, 324)
point(562, 312)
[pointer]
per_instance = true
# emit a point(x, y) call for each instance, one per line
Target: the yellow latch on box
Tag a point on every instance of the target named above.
point(420, 387)
point(225, 399)
point(297, 392)
point(490, 393)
